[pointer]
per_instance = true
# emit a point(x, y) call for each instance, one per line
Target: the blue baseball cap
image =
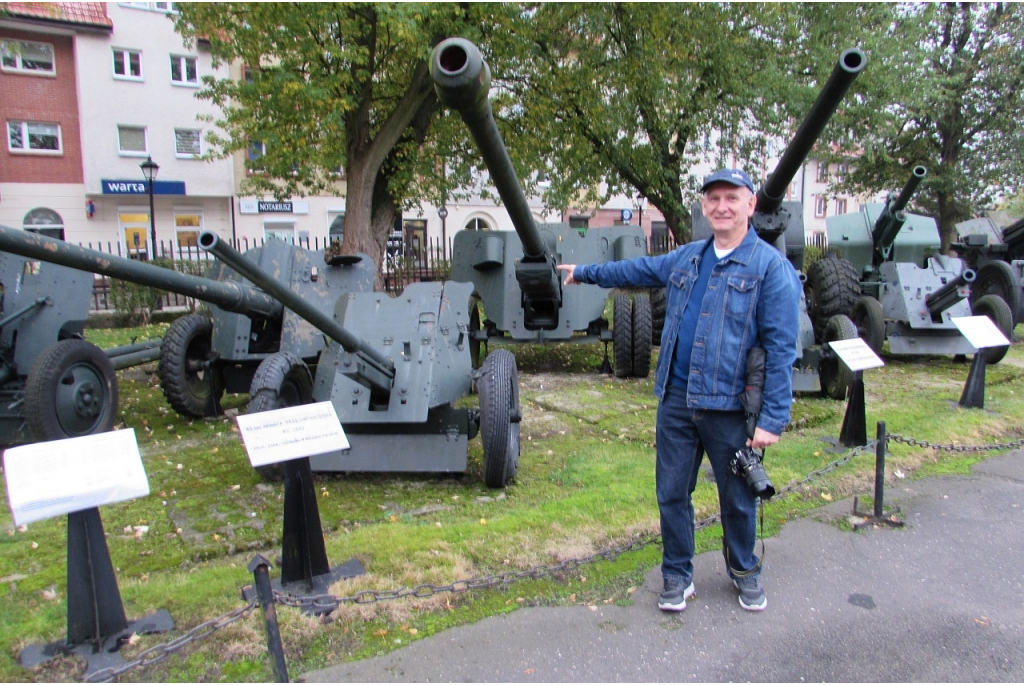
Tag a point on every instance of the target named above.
point(736, 177)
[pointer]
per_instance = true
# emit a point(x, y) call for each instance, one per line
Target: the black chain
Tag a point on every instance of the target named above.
point(954, 447)
point(150, 656)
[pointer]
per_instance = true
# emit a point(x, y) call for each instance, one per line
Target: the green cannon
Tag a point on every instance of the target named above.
point(393, 368)
point(997, 254)
point(202, 355)
point(513, 273)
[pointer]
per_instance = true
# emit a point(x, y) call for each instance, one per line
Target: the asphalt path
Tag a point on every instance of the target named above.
point(939, 600)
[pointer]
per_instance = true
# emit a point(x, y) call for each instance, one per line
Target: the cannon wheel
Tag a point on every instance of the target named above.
point(870, 322)
point(996, 309)
point(282, 380)
point(641, 336)
point(71, 391)
point(622, 335)
point(831, 288)
point(659, 305)
point(835, 377)
point(498, 387)
point(474, 327)
point(998, 278)
point(184, 364)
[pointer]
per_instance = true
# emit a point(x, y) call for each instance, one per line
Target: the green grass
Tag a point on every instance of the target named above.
point(586, 482)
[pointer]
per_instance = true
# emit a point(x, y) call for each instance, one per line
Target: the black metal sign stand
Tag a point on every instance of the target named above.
point(97, 626)
point(854, 432)
point(973, 396)
point(304, 566)
point(878, 515)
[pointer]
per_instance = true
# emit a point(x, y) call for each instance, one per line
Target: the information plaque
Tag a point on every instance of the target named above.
point(290, 433)
point(980, 331)
point(856, 354)
point(48, 479)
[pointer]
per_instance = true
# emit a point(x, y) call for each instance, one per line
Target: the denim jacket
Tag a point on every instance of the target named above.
point(753, 298)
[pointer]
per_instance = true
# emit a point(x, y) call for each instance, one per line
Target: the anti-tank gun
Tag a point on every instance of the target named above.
point(204, 356)
point(392, 368)
point(779, 222)
point(513, 274)
point(997, 255)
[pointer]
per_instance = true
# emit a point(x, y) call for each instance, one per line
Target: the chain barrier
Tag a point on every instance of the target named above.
point(326, 603)
point(157, 653)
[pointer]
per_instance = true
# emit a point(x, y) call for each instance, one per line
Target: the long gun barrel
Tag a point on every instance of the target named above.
point(228, 295)
point(851, 63)
point(376, 371)
point(892, 218)
point(462, 80)
point(949, 294)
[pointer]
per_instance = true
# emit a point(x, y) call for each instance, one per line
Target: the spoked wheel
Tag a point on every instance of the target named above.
point(498, 386)
point(71, 391)
point(836, 377)
point(996, 309)
point(831, 288)
point(622, 335)
point(641, 336)
point(185, 365)
point(282, 380)
point(998, 278)
point(870, 322)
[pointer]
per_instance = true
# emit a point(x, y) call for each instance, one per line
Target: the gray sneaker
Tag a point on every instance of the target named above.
point(752, 597)
point(674, 596)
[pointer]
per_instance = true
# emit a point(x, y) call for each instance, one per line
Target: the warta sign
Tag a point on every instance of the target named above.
point(141, 187)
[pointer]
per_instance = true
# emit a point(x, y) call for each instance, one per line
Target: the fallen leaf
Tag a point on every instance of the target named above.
point(827, 497)
point(572, 597)
point(413, 631)
point(899, 474)
point(34, 545)
point(381, 633)
point(236, 487)
point(983, 621)
point(483, 522)
point(49, 594)
point(133, 639)
point(528, 671)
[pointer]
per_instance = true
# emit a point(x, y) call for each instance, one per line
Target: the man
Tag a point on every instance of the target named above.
point(725, 295)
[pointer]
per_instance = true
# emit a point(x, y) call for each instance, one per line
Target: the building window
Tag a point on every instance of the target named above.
point(30, 136)
point(188, 226)
point(336, 226)
point(135, 228)
point(579, 222)
point(131, 140)
point(819, 206)
point(127, 64)
point(255, 150)
point(183, 70)
point(187, 142)
point(822, 176)
point(279, 230)
point(154, 6)
point(841, 174)
point(840, 206)
point(478, 225)
point(26, 57)
point(45, 222)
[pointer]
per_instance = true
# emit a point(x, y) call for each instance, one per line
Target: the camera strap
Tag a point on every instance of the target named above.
point(760, 562)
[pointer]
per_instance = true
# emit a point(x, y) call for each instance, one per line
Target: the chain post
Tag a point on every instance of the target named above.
point(260, 569)
point(879, 468)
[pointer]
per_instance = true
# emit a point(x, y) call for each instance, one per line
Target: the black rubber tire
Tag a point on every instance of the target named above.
point(836, 378)
point(869, 319)
point(71, 391)
point(831, 288)
point(659, 305)
point(622, 335)
point(641, 336)
point(185, 357)
point(998, 278)
point(500, 413)
point(474, 326)
point(996, 309)
point(282, 380)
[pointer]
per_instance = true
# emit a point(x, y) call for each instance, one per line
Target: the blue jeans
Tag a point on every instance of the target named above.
point(684, 436)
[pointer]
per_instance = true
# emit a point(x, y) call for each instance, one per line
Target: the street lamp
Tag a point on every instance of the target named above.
point(641, 202)
point(149, 170)
point(443, 213)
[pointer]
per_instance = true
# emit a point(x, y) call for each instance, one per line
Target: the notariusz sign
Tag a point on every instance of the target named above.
point(141, 187)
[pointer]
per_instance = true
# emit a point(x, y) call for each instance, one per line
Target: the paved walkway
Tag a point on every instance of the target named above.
point(939, 600)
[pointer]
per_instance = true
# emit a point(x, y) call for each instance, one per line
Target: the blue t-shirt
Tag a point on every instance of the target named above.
point(691, 314)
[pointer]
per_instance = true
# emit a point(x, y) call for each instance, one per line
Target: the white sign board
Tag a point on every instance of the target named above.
point(856, 354)
point(62, 476)
point(290, 433)
point(980, 331)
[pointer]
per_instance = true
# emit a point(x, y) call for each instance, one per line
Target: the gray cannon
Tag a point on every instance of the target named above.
point(513, 274)
point(997, 255)
point(202, 357)
point(393, 368)
point(894, 286)
point(780, 223)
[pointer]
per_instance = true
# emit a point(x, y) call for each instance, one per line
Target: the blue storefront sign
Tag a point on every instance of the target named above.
point(114, 187)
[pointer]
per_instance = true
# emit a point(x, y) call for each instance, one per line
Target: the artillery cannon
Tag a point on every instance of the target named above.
point(392, 370)
point(513, 274)
point(54, 384)
point(892, 283)
point(202, 357)
point(998, 257)
point(779, 222)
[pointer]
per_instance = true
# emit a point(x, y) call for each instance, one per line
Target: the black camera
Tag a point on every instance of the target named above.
point(747, 464)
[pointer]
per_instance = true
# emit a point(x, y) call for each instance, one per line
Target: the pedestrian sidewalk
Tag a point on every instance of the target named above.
point(939, 600)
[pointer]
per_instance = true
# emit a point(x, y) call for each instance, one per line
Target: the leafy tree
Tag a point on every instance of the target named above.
point(332, 87)
point(948, 85)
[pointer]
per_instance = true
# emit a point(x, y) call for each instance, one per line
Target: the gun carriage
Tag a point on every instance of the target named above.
point(997, 255)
